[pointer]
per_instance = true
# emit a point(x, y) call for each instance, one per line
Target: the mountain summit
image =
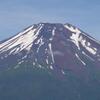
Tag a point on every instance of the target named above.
point(61, 49)
point(55, 46)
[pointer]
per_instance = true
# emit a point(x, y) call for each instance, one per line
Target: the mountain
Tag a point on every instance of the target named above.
point(50, 61)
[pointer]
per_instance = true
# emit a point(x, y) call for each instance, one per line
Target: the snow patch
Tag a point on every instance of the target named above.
point(40, 44)
point(51, 67)
point(87, 56)
point(51, 52)
point(24, 57)
point(88, 47)
point(75, 35)
point(63, 72)
point(20, 62)
point(72, 29)
point(39, 66)
point(77, 38)
point(47, 61)
point(53, 33)
point(33, 63)
point(80, 59)
point(21, 41)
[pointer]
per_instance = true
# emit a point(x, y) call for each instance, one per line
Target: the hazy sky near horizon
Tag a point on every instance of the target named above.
point(15, 15)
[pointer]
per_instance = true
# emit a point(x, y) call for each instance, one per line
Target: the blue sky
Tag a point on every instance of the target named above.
point(16, 15)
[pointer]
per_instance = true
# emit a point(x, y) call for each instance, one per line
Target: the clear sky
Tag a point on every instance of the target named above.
point(16, 15)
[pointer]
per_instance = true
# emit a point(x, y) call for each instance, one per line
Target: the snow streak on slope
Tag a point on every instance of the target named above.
point(77, 38)
point(51, 52)
point(23, 40)
point(80, 59)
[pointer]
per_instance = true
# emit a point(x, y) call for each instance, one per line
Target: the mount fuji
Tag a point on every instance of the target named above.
point(50, 61)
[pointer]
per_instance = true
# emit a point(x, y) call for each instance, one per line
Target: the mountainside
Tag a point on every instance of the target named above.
point(50, 58)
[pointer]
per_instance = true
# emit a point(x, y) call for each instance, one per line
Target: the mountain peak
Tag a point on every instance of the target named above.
point(51, 45)
point(52, 61)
